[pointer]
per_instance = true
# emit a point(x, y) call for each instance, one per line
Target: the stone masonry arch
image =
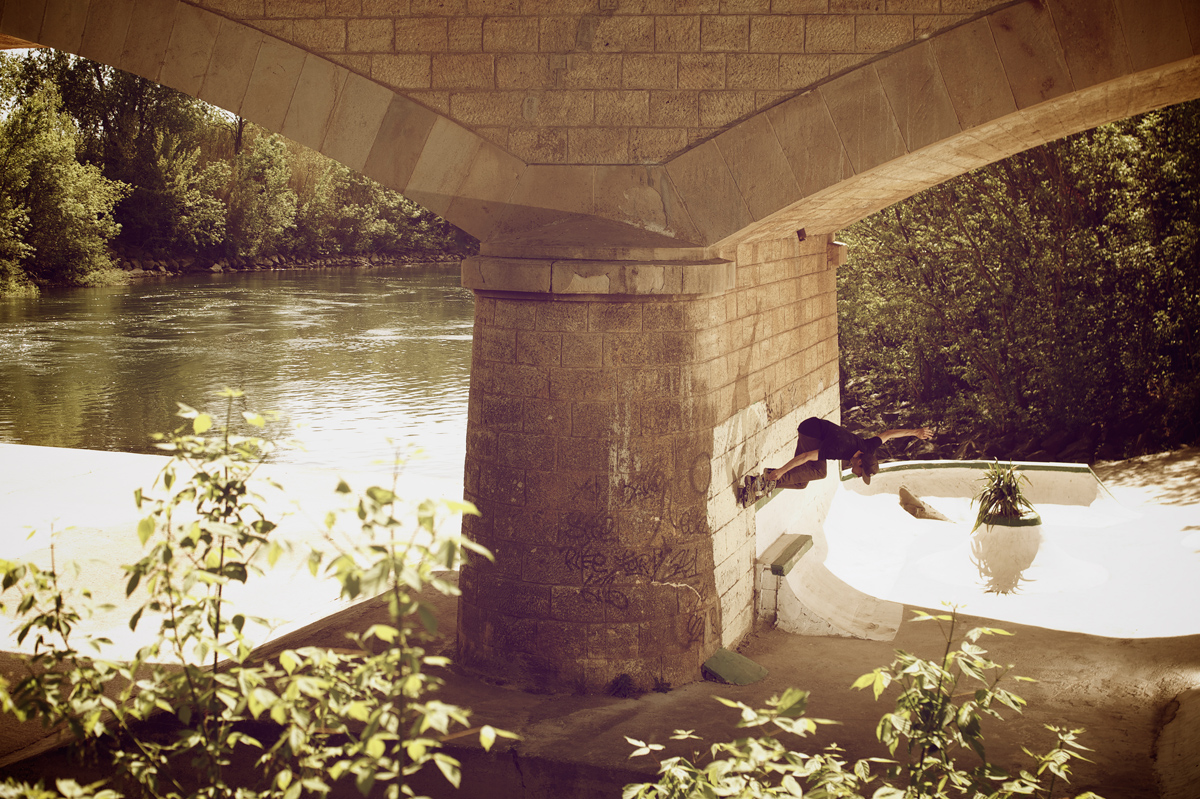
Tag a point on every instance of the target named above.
point(655, 186)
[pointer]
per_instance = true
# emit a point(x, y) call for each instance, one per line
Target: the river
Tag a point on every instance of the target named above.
point(359, 364)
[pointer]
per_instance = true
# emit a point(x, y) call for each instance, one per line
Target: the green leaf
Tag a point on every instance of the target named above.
point(202, 424)
point(145, 529)
point(383, 632)
point(288, 660)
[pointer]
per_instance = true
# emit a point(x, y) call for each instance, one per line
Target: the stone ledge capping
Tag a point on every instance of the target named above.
point(581, 277)
point(783, 555)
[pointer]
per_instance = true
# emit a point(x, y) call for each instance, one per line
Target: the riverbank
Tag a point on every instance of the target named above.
point(134, 264)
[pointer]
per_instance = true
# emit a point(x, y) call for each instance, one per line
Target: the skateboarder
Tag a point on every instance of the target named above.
point(821, 440)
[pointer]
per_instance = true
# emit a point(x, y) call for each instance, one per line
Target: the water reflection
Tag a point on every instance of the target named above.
point(349, 358)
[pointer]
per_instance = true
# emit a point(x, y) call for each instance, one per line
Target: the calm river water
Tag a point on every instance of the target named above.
point(351, 359)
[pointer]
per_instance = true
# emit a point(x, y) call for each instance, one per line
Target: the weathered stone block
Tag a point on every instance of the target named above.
point(622, 108)
point(463, 71)
point(874, 33)
point(582, 491)
point(525, 71)
point(526, 450)
point(582, 385)
point(582, 349)
point(777, 33)
point(571, 640)
point(538, 349)
point(509, 34)
point(503, 483)
point(623, 34)
point(370, 35)
point(502, 413)
point(718, 109)
point(598, 145)
point(655, 145)
point(596, 419)
point(464, 35)
point(550, 417)
point(570, 603)
point(520, 314)
point(649, 72)
point(320, 35)
point(402, 71)
point(725, 34)
point(552, 565)
point(830, 34)
point(974, 75)
point(677, 34)
point(701, 71)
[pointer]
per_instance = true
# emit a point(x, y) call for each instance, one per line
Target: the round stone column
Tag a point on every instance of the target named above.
point(588, 439)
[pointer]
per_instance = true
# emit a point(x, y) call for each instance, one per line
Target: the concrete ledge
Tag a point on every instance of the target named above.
point(1060, 483)
point(786, 552)
point(584, 277)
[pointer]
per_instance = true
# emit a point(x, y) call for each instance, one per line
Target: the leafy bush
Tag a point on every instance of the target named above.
point(938, 714)
point(197, 698)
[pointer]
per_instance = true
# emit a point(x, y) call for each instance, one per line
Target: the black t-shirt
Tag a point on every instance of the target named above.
point(836, 442)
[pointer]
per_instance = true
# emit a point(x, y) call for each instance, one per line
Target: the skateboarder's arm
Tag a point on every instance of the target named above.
point(923, 433)
point(803, 457)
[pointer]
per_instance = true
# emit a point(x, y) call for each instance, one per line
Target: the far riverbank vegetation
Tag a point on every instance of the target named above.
point(103, 172)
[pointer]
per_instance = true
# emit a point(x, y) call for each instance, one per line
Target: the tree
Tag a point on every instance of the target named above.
point(262, 206)
point(56, 215)
point(1052, 291)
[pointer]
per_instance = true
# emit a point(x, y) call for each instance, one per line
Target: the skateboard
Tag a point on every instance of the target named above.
point(753, 488)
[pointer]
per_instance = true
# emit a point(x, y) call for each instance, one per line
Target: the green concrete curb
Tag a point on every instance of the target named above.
point(732, 668)
point(792, 552)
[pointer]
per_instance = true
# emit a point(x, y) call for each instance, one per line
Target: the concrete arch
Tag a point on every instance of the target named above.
point(1012, 78)
point(1017, 77)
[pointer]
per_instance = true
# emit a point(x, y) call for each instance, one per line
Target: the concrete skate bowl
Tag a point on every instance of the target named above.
point(1120, 563)
point(1101, 567)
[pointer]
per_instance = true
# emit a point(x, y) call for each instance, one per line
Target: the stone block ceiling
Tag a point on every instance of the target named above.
point(598, 81)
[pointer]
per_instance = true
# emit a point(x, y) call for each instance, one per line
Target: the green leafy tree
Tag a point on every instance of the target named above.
point(191, 197)
point(937, 717)
point(56, 215)
point(197, 700)
point(133, 130)
point(262, 206)
point(1051, 291)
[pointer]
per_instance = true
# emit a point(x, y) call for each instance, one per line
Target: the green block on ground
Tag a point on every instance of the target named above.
point(730, 667)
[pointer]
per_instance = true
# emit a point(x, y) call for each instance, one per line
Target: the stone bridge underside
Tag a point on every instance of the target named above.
point(655, 185)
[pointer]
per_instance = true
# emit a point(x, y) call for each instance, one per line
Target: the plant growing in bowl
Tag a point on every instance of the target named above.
point(1012, 529)
point(1001, 496)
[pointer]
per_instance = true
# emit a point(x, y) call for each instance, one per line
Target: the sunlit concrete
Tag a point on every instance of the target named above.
point(1114, 561)
point(83, 501)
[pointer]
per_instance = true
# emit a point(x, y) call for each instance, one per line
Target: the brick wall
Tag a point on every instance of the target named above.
point(782, 324)
point(598, 81)
point(606, 436)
